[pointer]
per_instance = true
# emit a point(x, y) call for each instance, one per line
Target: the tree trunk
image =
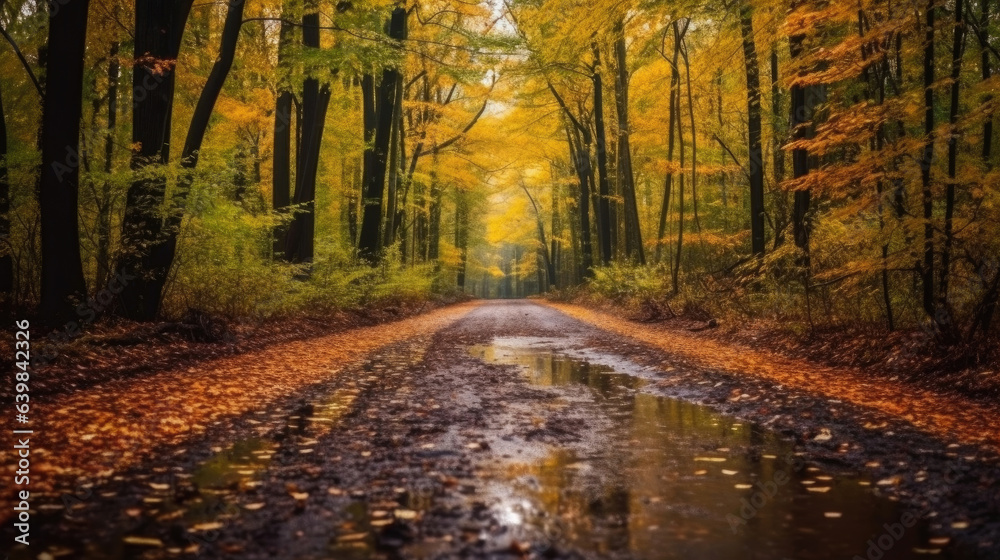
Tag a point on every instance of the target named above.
point(103, 256)
point(159, 25)
point(371, 221)
point(315, 100)
point(461, 235)
point(369, 121)
point(162, 253)
point(395, 174)
point(673, 118)
point(6, 260)
point(555, 231)
point(353, 199)
point(778, 136)
point(694, 138)
point(434, 214)
point(927, 160)
point(957, 50)
point(63, 284)
point(633, 234)
point(756, 159)
point(604, 224)
point(801, 114)
point(581, 161)
point(675, 272)
point(982, 36)
point(281, 183)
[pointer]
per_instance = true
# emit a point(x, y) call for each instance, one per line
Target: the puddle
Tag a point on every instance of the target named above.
point(667, 478)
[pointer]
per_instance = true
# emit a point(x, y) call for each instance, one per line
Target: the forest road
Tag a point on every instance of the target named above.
point(511, 430)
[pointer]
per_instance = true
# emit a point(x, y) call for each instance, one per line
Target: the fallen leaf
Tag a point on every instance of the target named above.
point(143, 541)
point(404, 514)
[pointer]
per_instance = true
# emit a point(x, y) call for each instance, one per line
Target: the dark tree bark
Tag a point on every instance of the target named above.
point(927, 160)
point(104, 208)
point(62, 268)
point(957, 51)
point(874, 78)
point(987, 70)
point(461, 234)
point(604, 225)
point(778, 136)
point(756, 160)
point(579, 138)
point(6, 261)
point(434, 215)
point(673, 119)
point(675, 271)
point(581, 163)
point(395, 174)
point(369, 122)
point(353, 199)
point(404, 180)
point(800, 156)
point(281, 161)
point(315, 100)
point(556, 231)
point(163, 251)
point(543, 247)
point(626, 183)
point(694, 137)
point(159, 25)
point(371, 221)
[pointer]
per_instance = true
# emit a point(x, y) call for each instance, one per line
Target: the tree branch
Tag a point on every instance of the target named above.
point(24, 62)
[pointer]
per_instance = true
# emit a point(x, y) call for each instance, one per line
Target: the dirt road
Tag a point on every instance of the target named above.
point(506, 430)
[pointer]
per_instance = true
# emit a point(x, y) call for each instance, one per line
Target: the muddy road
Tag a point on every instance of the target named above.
point(516, 431)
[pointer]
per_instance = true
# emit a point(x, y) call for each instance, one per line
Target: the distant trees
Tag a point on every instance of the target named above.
point(572, 143)
point(878, 197)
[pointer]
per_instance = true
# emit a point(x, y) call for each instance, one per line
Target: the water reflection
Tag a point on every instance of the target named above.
point(672, 479)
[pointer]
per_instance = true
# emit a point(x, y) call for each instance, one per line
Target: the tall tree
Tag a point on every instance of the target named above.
point(626, 179)
point(299, 240)
point(62, 267)
point(281, 161)
point(371, 221)
point(604, 224)
point(987, 72)
point(462, 235)
point(6, 260)
point(163, 251)
point(104, 211)
point(159, 26)
point(672, 122)
point(800, 115)
point(756, 158)
point(580, 156)
point(957, 52)
point(927, 162)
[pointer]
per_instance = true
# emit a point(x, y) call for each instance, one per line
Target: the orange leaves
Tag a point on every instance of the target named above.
point(938, 414)
point(112, 426)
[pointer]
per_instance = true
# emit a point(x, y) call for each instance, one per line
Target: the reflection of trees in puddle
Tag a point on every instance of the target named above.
point(666, 473)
